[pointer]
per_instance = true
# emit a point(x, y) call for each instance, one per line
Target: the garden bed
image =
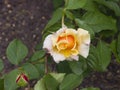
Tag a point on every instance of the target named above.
point(25, 19)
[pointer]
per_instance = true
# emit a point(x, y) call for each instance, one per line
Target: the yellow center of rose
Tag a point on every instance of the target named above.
point(65, 42)
point(66, 45)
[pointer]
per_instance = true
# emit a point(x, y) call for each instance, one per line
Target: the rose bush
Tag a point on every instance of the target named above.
point(67, 43)
point(88, 49)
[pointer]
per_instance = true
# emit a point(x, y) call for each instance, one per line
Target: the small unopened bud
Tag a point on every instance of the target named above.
point(22, 79)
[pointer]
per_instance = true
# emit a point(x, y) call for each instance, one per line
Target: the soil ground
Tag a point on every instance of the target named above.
point(25, 19)
point(22, 19)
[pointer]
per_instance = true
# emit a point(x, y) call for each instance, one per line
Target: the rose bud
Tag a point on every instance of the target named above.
point(22, 79)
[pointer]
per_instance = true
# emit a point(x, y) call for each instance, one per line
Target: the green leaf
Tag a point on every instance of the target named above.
point(58, 76)
point(99, 21)
point(118, 44)
point(31, 71)
point(70, 82)
point(10, 80)
point(113, 46)
point(1, 84)
point(111, 5)
point(50, 82)
point(69, 15)
point(57, 15)
point(52, 29)
point(110, 33)
point(90, 6)
point(83, 25)
point(37, 55)
point(90, 88)
point(1, 65)
point(75, 4)
point(99, 57)
point(63, 67)
point(118, 48)
point(40, 85)
point(16, 51)
point(58, 3)
point(78, 67)
point(41, 68)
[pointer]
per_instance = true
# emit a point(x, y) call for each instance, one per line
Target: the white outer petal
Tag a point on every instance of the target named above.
point(61, 30)
point(70, 30)
point(85, 42)
point(75, 57)
point(84, 50)
point(84, 33)
point(57, 57)
point(47, 44)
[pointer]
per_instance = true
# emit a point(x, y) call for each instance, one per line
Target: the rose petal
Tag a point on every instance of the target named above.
point(84, 42)
point(75, 57)
point(84, 35)
point(61, 30)
point(57, 57)
point(84, 50)
point(71, 31)
point(48, 43)
point(74, 52)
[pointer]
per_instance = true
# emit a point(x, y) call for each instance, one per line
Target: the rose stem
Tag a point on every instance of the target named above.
point(46, 65)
